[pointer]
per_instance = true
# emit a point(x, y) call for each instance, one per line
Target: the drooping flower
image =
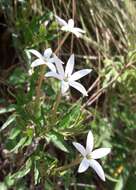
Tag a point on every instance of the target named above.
point(44, 59)
point(67, 77)
point(69, 26)
point(90, 156)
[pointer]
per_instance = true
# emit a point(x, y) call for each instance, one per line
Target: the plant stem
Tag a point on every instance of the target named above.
point(56, 104)
point(61, 43)
point(40, 80)
point(38, 89)
point(65, 167)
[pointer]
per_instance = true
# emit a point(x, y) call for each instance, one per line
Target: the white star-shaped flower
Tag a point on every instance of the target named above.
point(90, 156)
point(44, 59)
point(69, 27)
point(66, 77)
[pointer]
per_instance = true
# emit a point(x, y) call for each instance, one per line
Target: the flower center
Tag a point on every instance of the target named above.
point(89, 156)
point(66, 78)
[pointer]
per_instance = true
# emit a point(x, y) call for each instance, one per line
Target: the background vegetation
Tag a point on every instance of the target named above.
point(109, 47)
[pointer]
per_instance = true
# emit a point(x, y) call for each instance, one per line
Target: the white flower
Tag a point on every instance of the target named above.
point(66, 77)
point(89, 156)
point(44, 59)
point(69, 27)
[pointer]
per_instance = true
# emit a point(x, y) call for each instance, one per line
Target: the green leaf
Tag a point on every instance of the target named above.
point(14, 133)
point(49, 185)
point(19, 144)
point(58, 141)
point(24, 171)
point(120, 184)
point(7, 110)
point(9, 181)
point(111, 178)
point(10, 119)
point(71, 117)
point(3, 186)
point(28, 141)
point(18, 77)
point(36, 173)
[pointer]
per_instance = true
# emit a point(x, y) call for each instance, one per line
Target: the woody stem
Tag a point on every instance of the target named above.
point(65, 167)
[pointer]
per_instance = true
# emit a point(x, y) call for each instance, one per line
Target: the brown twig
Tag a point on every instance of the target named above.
point(96, 95)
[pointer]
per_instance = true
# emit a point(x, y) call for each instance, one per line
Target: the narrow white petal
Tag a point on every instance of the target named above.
point(53, 74)
point(66, 28)
point(37, 62)
point(51, 60)
point(59, 66)
point(78, 87)
point(79, 30)
point(79, 74)
point(99, 153)
point(98, 169)
point(84, 165)
point(64, 87)
point(78, 34)
point(71, 23)
point(51, 66)
point(80, 148)
point(36, 53)
point(70, 66)
point(47, 53)
point(60, 20)
point(89, 142)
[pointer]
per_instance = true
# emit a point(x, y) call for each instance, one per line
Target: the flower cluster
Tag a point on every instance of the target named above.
point(67, 78)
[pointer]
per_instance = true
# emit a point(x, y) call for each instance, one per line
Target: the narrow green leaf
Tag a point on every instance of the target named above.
point(19, 144)
point(24, 171)
point(58, 141)
point(7, 110)
point(10, 119)
point(14, 133)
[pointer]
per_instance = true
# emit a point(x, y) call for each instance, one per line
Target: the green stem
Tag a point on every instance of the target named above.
point(56, 104)
point(41, 78)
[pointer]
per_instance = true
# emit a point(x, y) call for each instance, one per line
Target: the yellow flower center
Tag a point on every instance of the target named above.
point(88, 156)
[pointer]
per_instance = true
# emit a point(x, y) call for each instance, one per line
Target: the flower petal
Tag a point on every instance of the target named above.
point(80, 148)
point(66, 28)
point(36, 53)
point(89, 142)
point(59, 66)
point(79, 74)
point(64, 86)
point(99, 153)
point(60, 20)
point(77, 34)
point(70, 66)
point(98, 169)
point(71, 23)
point(47, 53)
point(78, 87)
point(53, 74)
point(51, 60)
point(51, 66)
point(84, 165)
point(37, 62)
point(79, 30)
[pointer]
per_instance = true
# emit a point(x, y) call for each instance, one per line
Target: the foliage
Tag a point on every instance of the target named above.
point(34, 141)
